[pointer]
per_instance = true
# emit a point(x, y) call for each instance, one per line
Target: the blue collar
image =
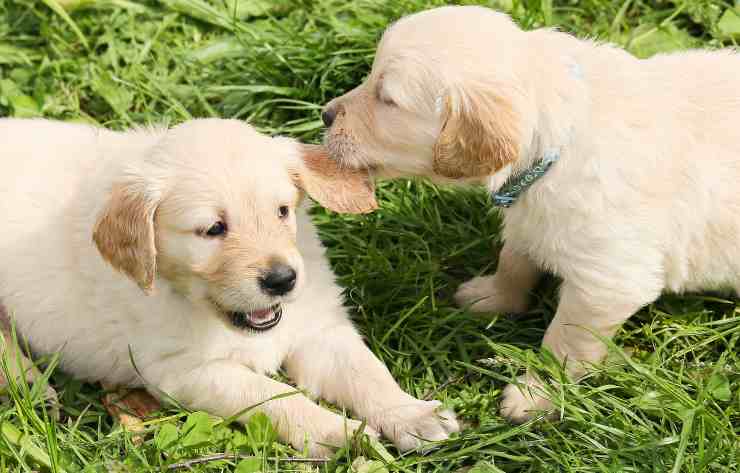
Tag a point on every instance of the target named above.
point(512, 189)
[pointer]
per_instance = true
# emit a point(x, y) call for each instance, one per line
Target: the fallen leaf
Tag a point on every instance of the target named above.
point(729, 24)
point(197, 430)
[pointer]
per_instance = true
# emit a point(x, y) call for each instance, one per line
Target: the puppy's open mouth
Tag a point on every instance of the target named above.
point(258, 320)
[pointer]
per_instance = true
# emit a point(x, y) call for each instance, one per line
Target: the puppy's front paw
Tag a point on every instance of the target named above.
point(332, 433)
point(414, 422)
point(525, 401)
point(490, 294)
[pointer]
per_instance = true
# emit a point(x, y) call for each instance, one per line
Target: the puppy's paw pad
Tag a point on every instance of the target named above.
point(410, 426)
point(522, 403)
point(486, 294)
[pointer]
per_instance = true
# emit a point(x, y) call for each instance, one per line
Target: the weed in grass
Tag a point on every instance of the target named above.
point(673, 405)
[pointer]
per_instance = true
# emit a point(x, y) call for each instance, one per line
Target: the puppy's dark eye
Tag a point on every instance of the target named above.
point(283, 211)
point(217, 229)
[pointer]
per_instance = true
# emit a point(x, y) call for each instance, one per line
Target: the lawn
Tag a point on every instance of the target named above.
point(671, 405)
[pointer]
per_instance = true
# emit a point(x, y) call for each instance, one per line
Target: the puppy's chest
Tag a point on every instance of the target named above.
point(547, 234)
point(531, 235)
point(262, 353)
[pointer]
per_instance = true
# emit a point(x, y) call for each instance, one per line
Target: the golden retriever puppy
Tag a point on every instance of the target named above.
point(617, 174)
point(204, 218)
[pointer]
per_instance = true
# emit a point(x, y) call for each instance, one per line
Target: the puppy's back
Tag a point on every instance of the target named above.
point(41, 162)
point(54, 179)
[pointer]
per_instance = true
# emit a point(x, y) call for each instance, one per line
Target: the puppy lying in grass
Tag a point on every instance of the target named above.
point(617, 174)
point(188, 249)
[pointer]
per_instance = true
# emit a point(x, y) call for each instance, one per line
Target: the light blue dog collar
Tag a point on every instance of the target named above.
point(508, 194)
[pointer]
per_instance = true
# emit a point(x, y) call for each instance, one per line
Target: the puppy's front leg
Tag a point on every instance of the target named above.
point(507, 290)
point(598, 308)
point(337, 366)
point(225, 388)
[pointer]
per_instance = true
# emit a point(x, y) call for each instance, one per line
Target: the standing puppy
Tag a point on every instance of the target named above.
point(620, 175)
point(227, 279)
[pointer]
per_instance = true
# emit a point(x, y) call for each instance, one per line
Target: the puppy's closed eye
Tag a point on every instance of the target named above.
point(382, 95)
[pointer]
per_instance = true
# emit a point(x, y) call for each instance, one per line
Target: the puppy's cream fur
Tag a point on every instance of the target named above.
point(148, 196)
point(644, 198)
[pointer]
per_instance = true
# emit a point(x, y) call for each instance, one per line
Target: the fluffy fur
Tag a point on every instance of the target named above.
point(147, 198)
point(644, 198)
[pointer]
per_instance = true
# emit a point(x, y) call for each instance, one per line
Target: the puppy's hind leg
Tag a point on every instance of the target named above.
point(507, 291)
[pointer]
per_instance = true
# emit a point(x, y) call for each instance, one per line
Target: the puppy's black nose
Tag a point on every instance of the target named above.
point(279, 280)
point(328, 115)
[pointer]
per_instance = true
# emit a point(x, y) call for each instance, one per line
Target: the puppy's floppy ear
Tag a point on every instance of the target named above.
point(341, 189)
point(124, 233)
point(480, 134)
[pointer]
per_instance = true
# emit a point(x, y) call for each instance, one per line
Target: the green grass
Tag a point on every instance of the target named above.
point(672, 406)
